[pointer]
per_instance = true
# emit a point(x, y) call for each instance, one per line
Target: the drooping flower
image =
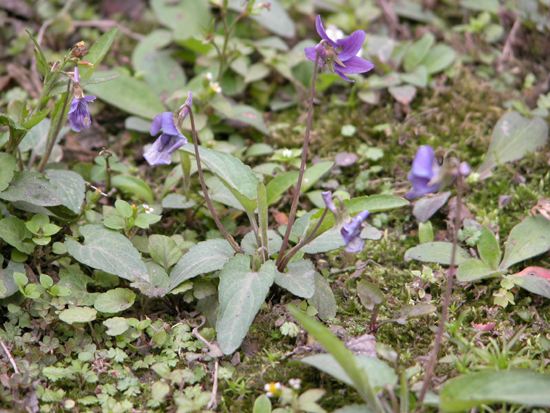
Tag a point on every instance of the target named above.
point(424, 173)
point(341, 55)
point(351, 232)
point(170, 139)
point(327, 199)
point(79, 113)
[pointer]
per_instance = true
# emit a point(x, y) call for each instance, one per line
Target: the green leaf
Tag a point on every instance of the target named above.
point(241, 113)
point(164, 250)
point(108, 251)
point(17, 132)
point(77, 315)
point(187, 18)
point(439, 58)
point(529, 280)
point(97, 53)
point(473, 270)
point(528, 239)
point(274, 241)
point(488, 248)
point(521, 387)
point(7, 169)
point(237, 176)
point(379, 373)
point(491, 6)
point(8, 286)
point(163, 73)
point(262, 405)
point(116, 326)
point(369, 294)
point(57, 188)
point(205, 257)
point(299, 278)
point(418, 51)
point(341, 354)
point(14, 232)
point(438, 252)
point(328, 241)
point(241, 293)
point(513, 137)
point(135, 187)
point(282, 182)
point(129, 94)
point(115, 300)
point(323, 299)
point(275, 18)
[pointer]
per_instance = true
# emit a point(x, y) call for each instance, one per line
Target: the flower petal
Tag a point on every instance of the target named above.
point(356, 245)
point(168, 126)
point(351, 45)
point(160, 152)
point(354, 64)
point(423, 163)
point(156, 125)
point(327, 199)
point(322, 32)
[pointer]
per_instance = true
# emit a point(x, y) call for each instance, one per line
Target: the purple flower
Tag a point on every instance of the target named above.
point(79, 114)
point(184, 109)
point(170, 139)
point(327, 199)
point(424, 173)
point(351, 232)
point(340, 54)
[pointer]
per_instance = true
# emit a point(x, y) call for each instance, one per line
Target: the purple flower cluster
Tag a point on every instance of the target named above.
point(170, 139)
point(79, 113)
point(341, 55)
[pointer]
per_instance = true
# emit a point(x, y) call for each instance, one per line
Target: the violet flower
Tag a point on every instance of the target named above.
point(351, 232)
point(170, 139)
point(79, 114)
point(327, 199)
point(341, 55)
point(424, 173)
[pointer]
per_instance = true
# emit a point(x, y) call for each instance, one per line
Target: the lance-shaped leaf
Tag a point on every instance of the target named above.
point(237, 176)
point(205, 257)
point(438, 252)
point(241, 293)
point(97, 53)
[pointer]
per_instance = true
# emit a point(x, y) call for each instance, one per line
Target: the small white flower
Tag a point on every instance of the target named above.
point(295, 383)
point(215, 86)
point(148, 209)
point(208, 76)
point(286, 153)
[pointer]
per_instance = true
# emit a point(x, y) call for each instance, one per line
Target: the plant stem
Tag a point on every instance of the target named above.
point(305, 147)
point(306, 240)
point(209, 203)
point(185, 163)
point(432, 361)
point(107, 154)
point(54, 130)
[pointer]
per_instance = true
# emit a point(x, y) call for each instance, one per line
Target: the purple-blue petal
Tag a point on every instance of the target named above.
point(351, 45)
point(79, 114)
point(160, 152)
point(423, 163)
point(156, 125)
point(352, 228)
point(322, 32)
point(327, 199)
point(356, 245)
point(355, 64)
point(168, 125)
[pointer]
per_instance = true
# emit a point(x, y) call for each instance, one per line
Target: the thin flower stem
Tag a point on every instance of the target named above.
point(9, 356)
point(54, 132)
point(209, 203)
point(432, 361)
point(305, 147)
point(294, 250)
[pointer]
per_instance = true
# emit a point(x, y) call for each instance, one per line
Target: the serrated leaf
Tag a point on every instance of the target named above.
point(241, 293)
point(299, 278)
point(528, 239)
point(438, 252)
point(108, 251)
point(205, 257)
point(521, 387)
